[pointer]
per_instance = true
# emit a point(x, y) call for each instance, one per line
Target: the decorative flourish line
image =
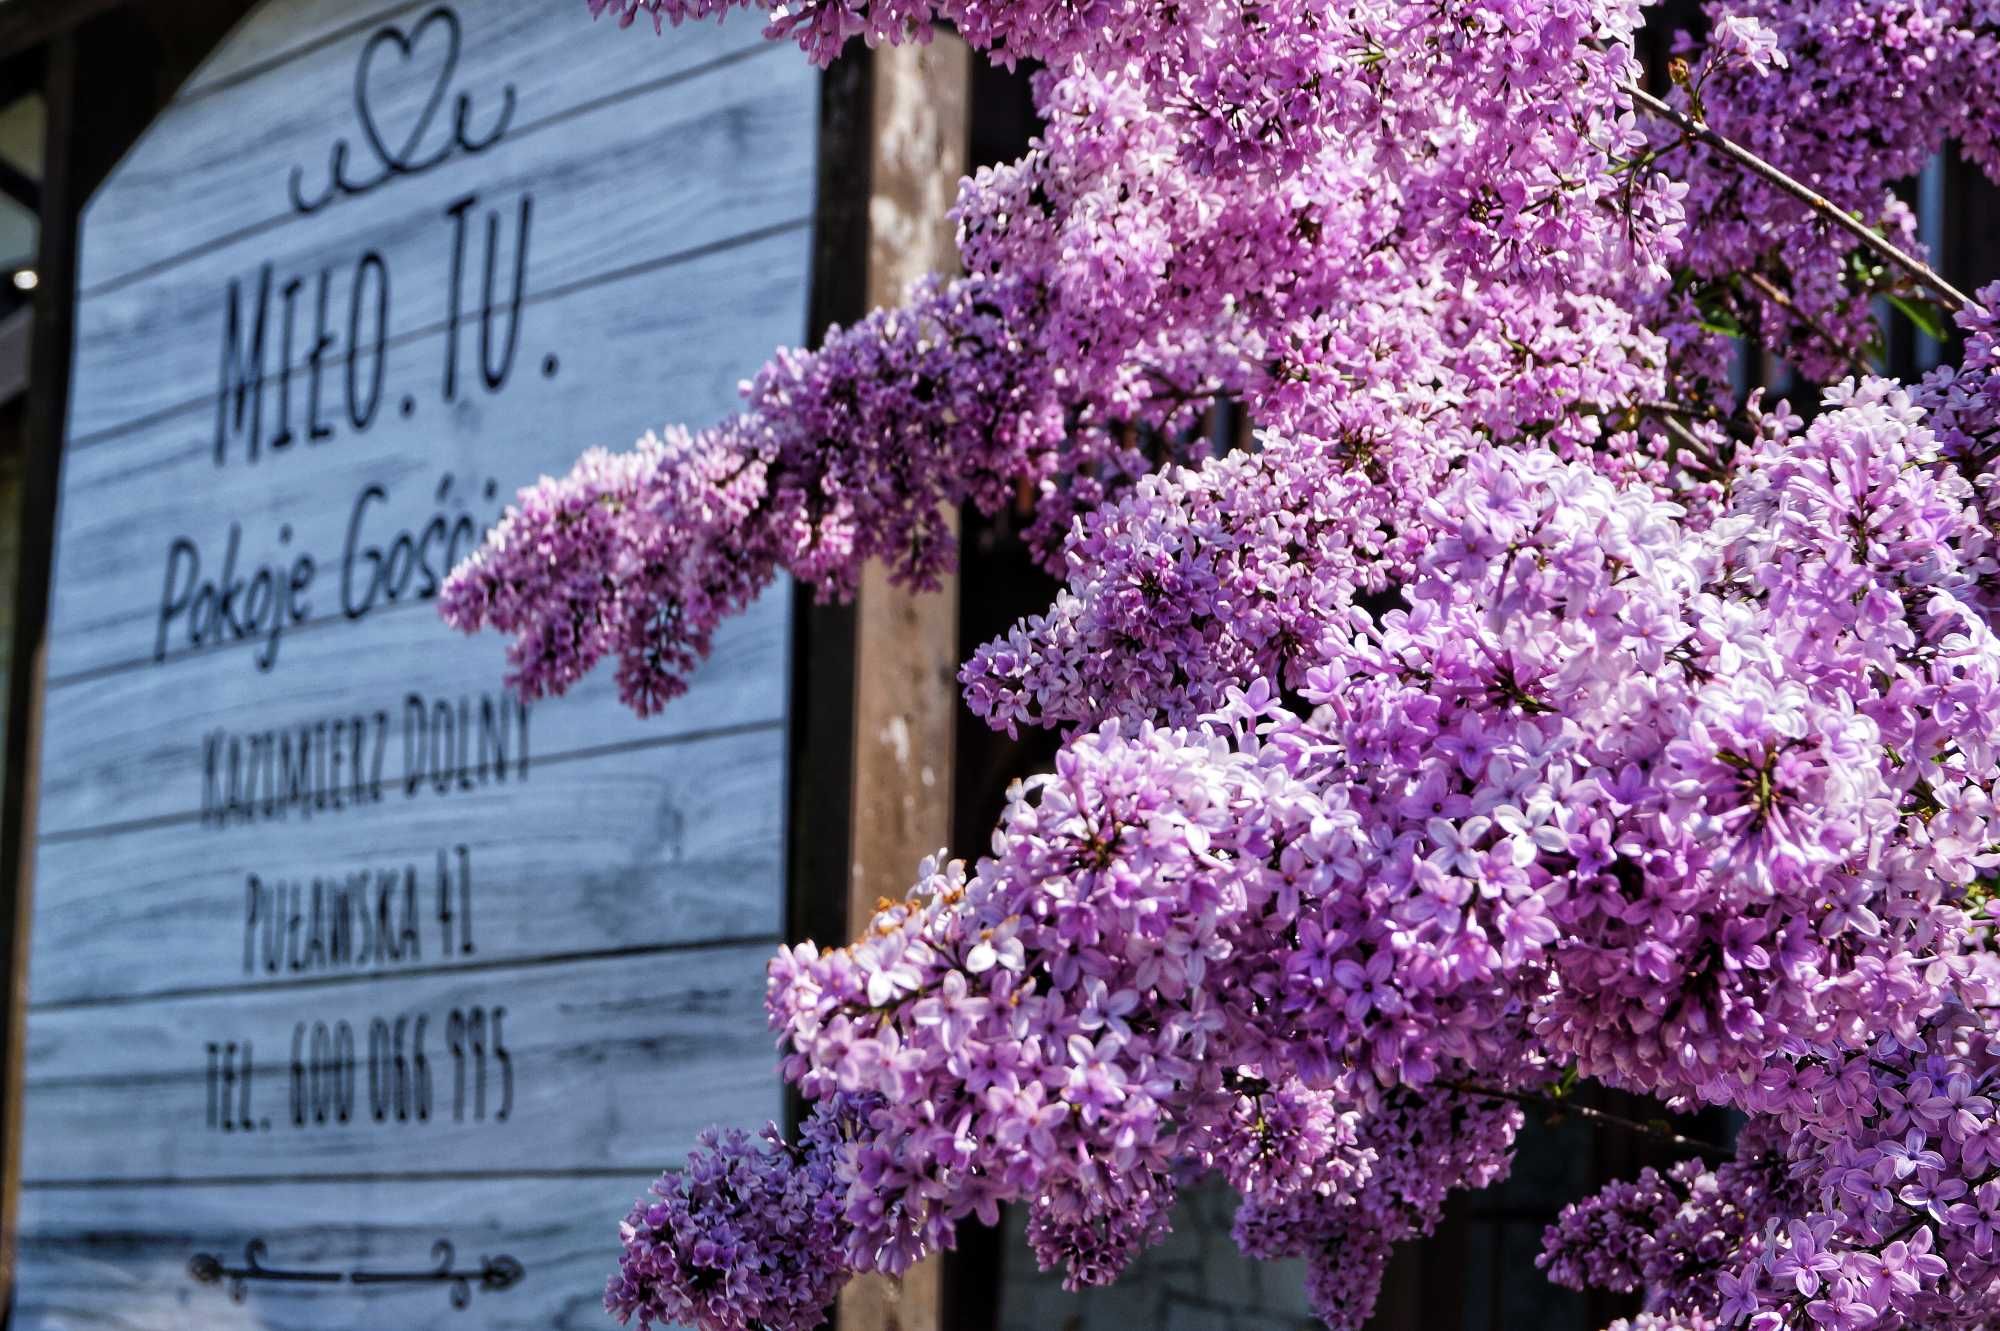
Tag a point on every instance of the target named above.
point(208, 1269)
point(493, 1274)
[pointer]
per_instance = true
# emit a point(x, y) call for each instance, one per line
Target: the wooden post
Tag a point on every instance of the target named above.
point(906, 697)
point(905, 646)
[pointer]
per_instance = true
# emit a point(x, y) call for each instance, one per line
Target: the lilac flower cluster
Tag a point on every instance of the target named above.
point(1674, 806)
point(1106, 1003)
point(1962, 406)
point(1900, 1147)
point(1869, 1197)
point(1672, 1235)
point(747, 1236)
point(1146, 257)
point(1421, 1148)
point(1520, 705)
point(1197, 581)
point(1728, 748)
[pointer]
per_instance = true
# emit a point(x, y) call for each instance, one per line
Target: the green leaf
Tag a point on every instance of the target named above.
point(1926, 315)
point(1711, 302)
point(1717, 317)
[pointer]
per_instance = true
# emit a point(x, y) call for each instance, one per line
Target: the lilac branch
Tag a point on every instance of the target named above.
point(1954, 298)
point(1777, 296)
point(1553, 1105)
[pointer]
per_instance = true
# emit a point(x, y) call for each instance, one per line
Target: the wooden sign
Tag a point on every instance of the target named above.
point(362, 995)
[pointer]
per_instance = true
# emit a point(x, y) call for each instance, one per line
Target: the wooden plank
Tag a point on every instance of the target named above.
point(660, 169)
point(224, 161)
point(79, 1277)
point(153, 742)
point(641, 848)
point(632, 353)
point(609, 1064)
point(276, 35)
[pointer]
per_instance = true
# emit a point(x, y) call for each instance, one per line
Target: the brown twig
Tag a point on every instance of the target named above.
point(1658, 1132)
point(1690, 442)
point(1772, 292)
point(1684, 411)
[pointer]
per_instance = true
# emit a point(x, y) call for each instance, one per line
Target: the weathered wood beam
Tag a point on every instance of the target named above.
point(19, 186)
point(876, 696)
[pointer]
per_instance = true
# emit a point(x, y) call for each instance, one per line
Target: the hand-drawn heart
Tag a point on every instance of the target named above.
point(405, 45)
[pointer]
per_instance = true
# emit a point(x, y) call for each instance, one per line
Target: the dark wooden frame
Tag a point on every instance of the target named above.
point(821, 777)
point(101, 82)
point(48, 398)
